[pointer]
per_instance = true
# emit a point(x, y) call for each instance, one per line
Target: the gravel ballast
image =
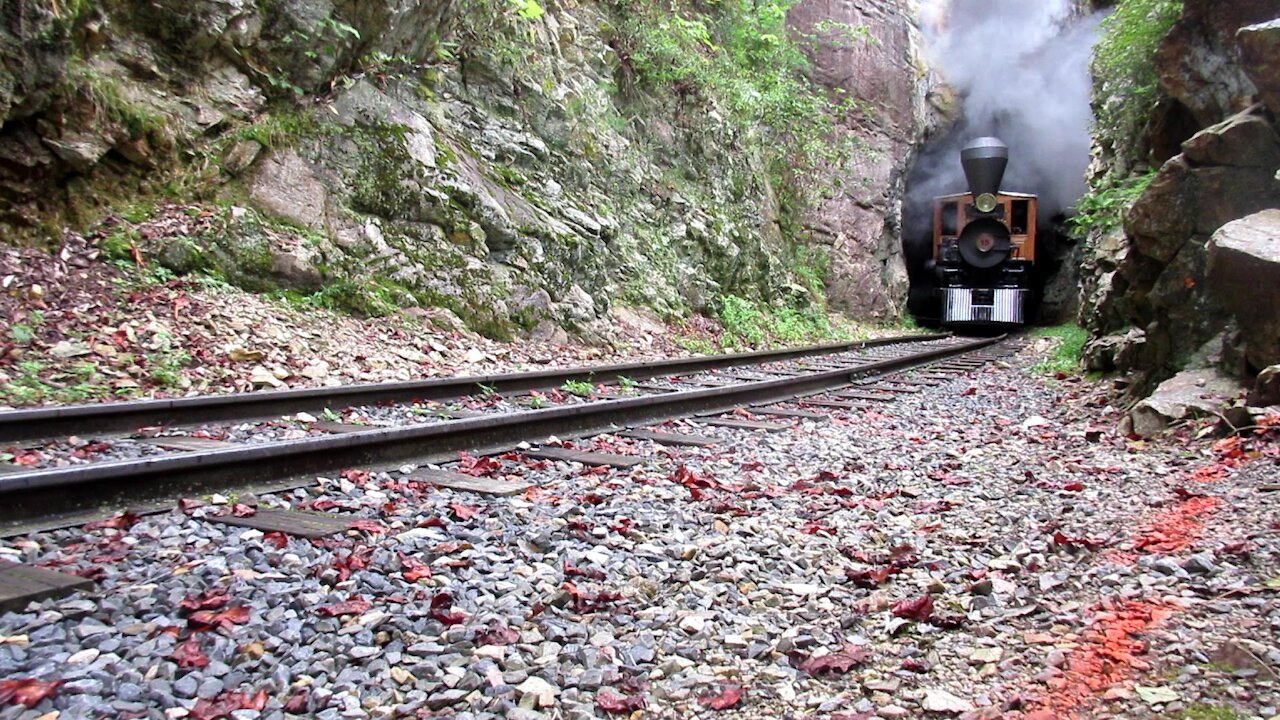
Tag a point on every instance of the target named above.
point(979, 549)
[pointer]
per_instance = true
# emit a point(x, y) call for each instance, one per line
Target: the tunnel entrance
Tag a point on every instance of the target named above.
point(1053, 278)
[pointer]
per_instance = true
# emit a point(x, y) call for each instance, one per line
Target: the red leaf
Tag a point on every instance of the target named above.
point(413, 569)
point(373, 527)
point(497, 634)
point(478, 466)
point(298, 701)
point(462, 510)
point(440, 604)
point(841, 661)
point(186, 505)
point(585, 601)
point(358, 477)
point(1073, 487)
point(26, 691)
point(571, 570)
point(919, 609)
point(207, 600)
point(123, 521)
point(970, 391)
point(276, 539)
point(227, 703)
point(1068, 541)
point(611, 702)
point(243, 511)
point(27, 458)
point(189, 654)
point(354, 605)
point(226, 619)
point(729, 697)
point(868, 578)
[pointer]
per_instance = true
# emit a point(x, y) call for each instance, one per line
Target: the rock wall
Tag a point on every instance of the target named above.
point(1146, 298)
point(444, 154)
point(885, 80)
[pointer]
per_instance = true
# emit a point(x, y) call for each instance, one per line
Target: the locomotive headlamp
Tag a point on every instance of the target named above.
point(986, 202)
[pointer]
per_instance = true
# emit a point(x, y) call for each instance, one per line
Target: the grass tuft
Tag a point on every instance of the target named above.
point(1067, 353)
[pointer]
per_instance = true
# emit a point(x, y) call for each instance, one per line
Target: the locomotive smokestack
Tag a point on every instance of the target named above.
point(984, 161)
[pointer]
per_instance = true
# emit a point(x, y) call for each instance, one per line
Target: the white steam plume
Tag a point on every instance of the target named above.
point(1022, 69)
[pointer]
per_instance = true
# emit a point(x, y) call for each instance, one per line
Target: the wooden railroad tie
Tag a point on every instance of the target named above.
point(668, 438)
point(587, 458)
point(22, 584)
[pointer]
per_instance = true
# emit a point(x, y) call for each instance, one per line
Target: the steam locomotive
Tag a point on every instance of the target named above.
point(984, 244)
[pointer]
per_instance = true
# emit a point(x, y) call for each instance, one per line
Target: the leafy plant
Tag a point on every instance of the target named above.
point(1067, 353)
point(1104, 207)
point(22, 334)
point(626, 383)
point(487, 390)
point(581, 388)
point(1127, 87)
point(536, 401)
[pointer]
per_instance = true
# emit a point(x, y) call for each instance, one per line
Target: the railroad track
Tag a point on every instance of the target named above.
point(776, 386)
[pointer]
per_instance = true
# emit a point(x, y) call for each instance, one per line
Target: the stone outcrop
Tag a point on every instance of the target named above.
point(1189, 394)
point(859, 224)
point(1147, 296)
point(1244, 279)
point(513, 177)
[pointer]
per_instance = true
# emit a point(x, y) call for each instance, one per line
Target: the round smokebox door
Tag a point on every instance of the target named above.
point(985, 243)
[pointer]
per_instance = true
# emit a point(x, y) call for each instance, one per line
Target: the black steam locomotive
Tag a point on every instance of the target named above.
point(984, 244)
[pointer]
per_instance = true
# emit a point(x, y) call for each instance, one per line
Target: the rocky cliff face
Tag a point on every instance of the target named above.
point(452, 154)
point(885, 82)
point(1147, 298)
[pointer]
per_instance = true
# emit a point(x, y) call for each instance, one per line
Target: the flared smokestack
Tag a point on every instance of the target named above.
point(984, 161)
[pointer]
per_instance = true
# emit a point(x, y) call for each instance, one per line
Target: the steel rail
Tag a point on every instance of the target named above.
point(63, 421)
point(77, 488)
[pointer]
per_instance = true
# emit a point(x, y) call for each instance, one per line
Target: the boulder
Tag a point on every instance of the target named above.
point(287, 186)
point(1244, 278)
point(1266, 389)
point(1114, 352)
point(1198, 62)
point(1260, 54)
point(1188, 394)
point(1244, 140)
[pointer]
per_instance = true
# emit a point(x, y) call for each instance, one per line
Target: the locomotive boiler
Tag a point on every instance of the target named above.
point(984, 244)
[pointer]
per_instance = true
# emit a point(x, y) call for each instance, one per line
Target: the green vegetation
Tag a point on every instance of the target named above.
point(1201, 711)
point(697, 346)
point(739, 57)
point(111, 103)
point(1068, 351)
point(756, 324)
point(1123, 62)
point(581, 388)
point(1103, 208)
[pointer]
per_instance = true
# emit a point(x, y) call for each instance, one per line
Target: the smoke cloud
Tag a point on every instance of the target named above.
point(1022, 69)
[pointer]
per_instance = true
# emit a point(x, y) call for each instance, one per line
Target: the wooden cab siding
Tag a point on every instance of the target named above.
point(1024, 243)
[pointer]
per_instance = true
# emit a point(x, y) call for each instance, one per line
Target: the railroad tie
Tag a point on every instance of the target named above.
point(301, 523)
point(744, 424)
point(21, 584)
point(469, 483)
point(667, 438)
point(586, 458)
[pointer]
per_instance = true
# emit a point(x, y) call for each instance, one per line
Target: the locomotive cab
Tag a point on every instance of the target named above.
point(984, 243)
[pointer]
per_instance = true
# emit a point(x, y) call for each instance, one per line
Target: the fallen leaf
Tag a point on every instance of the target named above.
point(919, 609)
point(189, 654)
point(27, 692)
point(226, 619)
point(352, 606)
point(725, 699)
point(838, 662)
point(612, 702)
